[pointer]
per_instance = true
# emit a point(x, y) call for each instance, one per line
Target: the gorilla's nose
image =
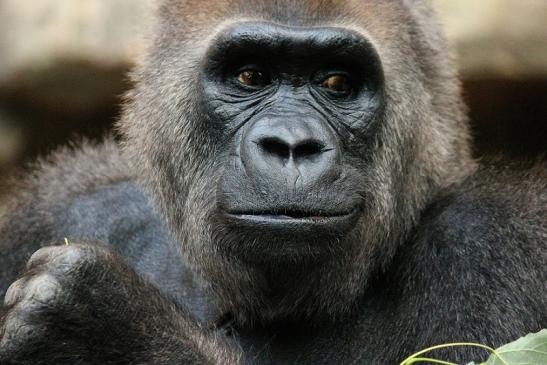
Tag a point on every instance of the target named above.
point(291, 151)
point(286, 148)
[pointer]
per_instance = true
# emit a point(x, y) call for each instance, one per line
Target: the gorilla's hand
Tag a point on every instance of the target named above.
point(83, 304)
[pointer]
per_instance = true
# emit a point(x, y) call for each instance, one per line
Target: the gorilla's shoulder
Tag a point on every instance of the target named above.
point(478, 255)
point(53, 187)
point(73, 170)
point(82, 194)
point(69, 171)
point(501, 210)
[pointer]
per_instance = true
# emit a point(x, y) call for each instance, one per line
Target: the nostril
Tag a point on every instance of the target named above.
point(308, 149)
point(276, 147)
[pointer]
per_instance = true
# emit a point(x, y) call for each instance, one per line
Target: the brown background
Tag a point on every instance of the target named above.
point(63, 65)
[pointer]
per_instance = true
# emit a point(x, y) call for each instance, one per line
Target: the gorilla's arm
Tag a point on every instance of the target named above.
point(83, 304)
point(108, 301)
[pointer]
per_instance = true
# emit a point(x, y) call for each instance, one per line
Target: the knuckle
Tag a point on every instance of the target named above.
point(41, 256)
point(27, 294)
point(42, 290)
point(14, 293)
point(70, 258)
point(66, 257)
point(28, 299)
point(89, 254)
point(18, 330)
point(74, 255)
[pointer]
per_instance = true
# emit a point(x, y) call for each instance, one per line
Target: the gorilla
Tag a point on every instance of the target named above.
point(294, 185)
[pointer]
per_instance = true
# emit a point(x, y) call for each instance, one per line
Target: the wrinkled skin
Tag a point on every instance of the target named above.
point(294, 186)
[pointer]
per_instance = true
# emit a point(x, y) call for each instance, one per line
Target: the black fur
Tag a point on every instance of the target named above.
point(443, 249)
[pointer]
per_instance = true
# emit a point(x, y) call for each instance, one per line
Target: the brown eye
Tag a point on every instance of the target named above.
point(338, 83)
point(252, 78)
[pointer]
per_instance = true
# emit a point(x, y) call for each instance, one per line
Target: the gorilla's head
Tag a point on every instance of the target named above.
point(292, 145)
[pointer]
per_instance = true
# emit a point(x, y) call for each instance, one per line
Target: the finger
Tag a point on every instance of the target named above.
point(15, 292)
point(43, 255)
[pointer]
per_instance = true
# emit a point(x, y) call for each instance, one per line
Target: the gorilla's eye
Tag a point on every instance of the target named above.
point(253, 78)
point(338, 83)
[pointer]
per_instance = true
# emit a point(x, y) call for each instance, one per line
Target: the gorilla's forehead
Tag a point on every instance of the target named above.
point(194, 24)
point(194, 14)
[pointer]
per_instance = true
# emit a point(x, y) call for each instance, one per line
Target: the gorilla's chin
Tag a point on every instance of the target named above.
point(277, 259)
point(273, 271)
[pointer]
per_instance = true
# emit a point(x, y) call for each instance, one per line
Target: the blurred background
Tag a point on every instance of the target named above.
point(63, 66)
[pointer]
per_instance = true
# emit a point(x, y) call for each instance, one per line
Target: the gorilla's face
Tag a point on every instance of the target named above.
point(292, 146)
point(292, 110)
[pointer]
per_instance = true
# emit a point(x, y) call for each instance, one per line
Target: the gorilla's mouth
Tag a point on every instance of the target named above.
point(294, 218)
point(292, 214)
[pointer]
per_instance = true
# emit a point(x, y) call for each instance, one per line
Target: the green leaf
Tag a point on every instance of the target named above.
point(528, 350)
